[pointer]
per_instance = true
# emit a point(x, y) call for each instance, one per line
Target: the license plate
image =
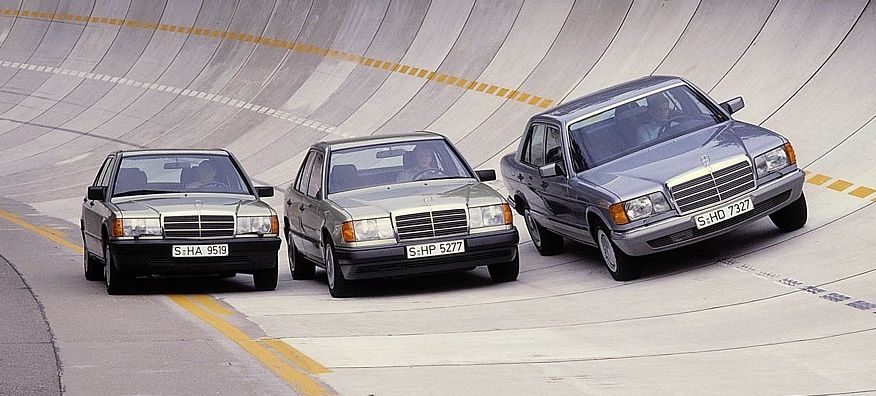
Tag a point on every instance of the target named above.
point(723, 213)
point(435, 249)
point(200, 250)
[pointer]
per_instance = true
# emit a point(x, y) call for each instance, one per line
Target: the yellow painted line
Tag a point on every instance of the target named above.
point(818, 179)
point(296, 356)
point(213, 305)
point(862, 192)
point(303, 382)
point(839, 185)
point(52, 236)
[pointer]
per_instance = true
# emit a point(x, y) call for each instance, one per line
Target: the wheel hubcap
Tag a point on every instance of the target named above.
point(533, 228)
point(330, 267)
point(607, 251)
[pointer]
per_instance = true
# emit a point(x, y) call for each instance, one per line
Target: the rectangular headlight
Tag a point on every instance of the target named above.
point(368, 230)
point(639, 208)
point(771, 161)
point(490, 216)
point(257, 225)
point(136, 227)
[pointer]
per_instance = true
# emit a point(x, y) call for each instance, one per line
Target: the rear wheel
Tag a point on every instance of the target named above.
point(300, 267)
point(93, 267)
point(339, 287)
point(505, 272)
point(266, 279)
point(117, 281)
point(621, 266)
point(791, 217)
point(546, 242)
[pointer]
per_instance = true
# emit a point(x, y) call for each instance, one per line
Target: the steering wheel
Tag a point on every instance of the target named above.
point(674, 119)
point(426, 171)
point(214, 184)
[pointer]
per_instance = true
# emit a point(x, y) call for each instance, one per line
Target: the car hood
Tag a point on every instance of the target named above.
point(180, 205)
point(415, 196)
point(648, 170)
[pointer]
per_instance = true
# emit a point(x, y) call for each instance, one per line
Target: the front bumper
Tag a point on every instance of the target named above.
point(154, 257)
point(380, 262)
point(680, 231)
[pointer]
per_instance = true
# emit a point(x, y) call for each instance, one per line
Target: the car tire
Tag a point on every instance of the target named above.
point(266, 279)
point(300, 267)
point(117, 282)
point(791, 217)
point(339, 287)
point(546, 242)
point(505, 272)
point(620, 265)
point(93, 267)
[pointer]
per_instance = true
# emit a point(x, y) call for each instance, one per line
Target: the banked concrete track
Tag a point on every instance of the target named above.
point(755, 312)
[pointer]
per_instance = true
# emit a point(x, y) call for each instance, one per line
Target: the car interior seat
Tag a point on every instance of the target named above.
point(130, 179)
point(343, 177)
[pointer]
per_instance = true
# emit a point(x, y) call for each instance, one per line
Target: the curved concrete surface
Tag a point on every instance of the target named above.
point(754, 312)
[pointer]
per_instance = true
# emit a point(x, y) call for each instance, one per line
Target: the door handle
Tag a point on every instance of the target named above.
point(301, 207)
point(289, 202)
point(520, 176)
point(91, 203)
point(544, 184)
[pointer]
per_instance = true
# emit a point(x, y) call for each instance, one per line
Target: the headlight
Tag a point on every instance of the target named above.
point(367, 230)
point(774, 160)
point(490, 216)
point(639, 208)
point(257, 225)
point(136, 227)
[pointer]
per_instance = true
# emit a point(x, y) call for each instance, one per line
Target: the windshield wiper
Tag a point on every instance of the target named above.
point(142, 192)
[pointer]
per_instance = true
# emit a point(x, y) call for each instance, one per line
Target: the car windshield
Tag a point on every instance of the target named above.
point(633, 126)
point(382, 164)
point(175, 173)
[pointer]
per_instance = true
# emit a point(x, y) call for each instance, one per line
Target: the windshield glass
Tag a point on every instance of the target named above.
point(174, 173)
point(382, 164)
point(636, 125)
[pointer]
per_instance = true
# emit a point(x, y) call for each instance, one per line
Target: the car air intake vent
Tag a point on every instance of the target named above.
point(206, 226)
point(720, 184)
point(431, 224)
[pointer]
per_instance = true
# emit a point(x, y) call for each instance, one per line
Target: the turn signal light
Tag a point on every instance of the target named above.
point(348, 232)
point(618, 214)
point(275, 225)
point(792, 156)
point(118, 228)
point(509, 217)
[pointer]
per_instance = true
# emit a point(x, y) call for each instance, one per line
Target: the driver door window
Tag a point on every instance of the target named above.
point(314, 185)
point(553, 146)
point(304, 178)
point(534, 153)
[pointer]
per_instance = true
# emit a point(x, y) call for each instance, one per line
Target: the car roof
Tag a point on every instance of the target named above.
point(376, 139)
point(607, 97)
point(128, 153)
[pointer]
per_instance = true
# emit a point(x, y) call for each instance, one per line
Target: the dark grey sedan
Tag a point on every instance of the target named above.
point(646, 166)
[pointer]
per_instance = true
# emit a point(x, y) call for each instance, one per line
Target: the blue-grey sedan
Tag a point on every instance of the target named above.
point(647, 166)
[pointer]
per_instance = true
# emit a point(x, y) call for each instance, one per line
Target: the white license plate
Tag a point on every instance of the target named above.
point(200, 250)
point(435, 249)
point(723, 213)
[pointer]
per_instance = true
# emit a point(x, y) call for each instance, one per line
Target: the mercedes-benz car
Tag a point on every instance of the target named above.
point(171, 212)
point(647, 166)
point(395, 205)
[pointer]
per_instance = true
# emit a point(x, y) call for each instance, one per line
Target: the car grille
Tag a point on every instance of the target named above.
point(681, 236)
point(195, 226)
point(431, 224)
point(714, 187)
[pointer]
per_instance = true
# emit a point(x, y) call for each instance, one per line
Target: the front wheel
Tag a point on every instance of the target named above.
point(791, 217)
point(505, 272)
point(93, 267)
point(621, 266)
point(339, 287)
point(266, 279)
point(300, 267)
point(117, 282)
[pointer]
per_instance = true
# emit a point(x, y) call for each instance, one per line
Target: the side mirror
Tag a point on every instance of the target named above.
point(96, 193)
point(486, 175)
point(264, 191)
point(733, 105)
point(551, 170)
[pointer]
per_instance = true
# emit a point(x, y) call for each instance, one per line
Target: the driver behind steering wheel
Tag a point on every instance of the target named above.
point(658, 112)
point(423, 165)
point(206, 176)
